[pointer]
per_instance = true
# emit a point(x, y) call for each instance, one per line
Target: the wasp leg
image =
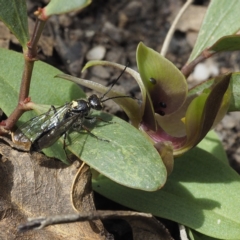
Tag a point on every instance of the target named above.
point(52, 108)
point(64, 144)
point(93, 135)
point(78, 126)
point(93, 119)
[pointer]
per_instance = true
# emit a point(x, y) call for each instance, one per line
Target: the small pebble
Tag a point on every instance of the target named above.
point(89, 33)
point(115, 54)
point(113, 32)
point(133, 9)
point(96, 53)
point(229, 122)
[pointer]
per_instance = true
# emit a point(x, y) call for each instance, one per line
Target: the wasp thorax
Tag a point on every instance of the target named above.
point(95, 102)
point(80, 106)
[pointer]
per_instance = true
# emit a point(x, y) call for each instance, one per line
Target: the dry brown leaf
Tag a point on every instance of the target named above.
point(82, 195)
point(33, 186)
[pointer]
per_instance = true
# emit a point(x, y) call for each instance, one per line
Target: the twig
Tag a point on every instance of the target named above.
point(30, 57)
point(183, 234)
point(172, 28)
point(188, 68)
point(41, 222)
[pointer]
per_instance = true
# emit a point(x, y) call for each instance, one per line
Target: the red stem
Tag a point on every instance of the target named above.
point(30, 58)
point(188, 68)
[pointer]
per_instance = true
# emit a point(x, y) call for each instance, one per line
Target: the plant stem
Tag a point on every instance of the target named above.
point(32, 45)
point(173, 26)
point(188, 68)
point(26, 78)
point(30, 57)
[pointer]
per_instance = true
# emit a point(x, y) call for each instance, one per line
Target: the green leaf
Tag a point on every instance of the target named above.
point(235, 99)
point(57, 151)
point(14, 14)
point(222, 18)
point(227, 43)
point(128, 158)
point(201, 193)
point(60, 6)
point(193, 235)
point(213, 145)
point(45, 89)
point(115, 149)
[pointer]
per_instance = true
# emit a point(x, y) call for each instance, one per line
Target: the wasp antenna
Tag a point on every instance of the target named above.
point(114, 82)
point(119, 97)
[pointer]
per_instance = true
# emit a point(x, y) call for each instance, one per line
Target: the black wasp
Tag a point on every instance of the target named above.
point(44, 130)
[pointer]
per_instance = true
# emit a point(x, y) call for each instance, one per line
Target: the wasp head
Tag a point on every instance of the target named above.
point(95, 102)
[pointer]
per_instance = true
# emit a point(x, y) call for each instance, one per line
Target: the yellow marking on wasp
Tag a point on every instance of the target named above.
point(74, 103)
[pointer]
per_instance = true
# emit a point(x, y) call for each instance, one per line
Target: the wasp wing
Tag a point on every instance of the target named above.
point(49, 137)
point(35, 127)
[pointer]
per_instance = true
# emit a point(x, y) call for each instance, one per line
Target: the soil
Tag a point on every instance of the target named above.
point(111, 30)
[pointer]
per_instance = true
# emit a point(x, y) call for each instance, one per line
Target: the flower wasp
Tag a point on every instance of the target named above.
point(44, 130)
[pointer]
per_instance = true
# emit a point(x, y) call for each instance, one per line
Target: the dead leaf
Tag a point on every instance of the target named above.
point(32, 186)
point(82, 195)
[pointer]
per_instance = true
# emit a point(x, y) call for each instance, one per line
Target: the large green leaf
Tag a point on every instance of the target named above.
point(222, 18)
point(212, 144)
point(60, 6)
point(226, 43)
point(201, 193)
point(194, 235)
point(117, 150)
point(14, 14)
point(235, 99)
point(128, 158)
point(45, 89)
